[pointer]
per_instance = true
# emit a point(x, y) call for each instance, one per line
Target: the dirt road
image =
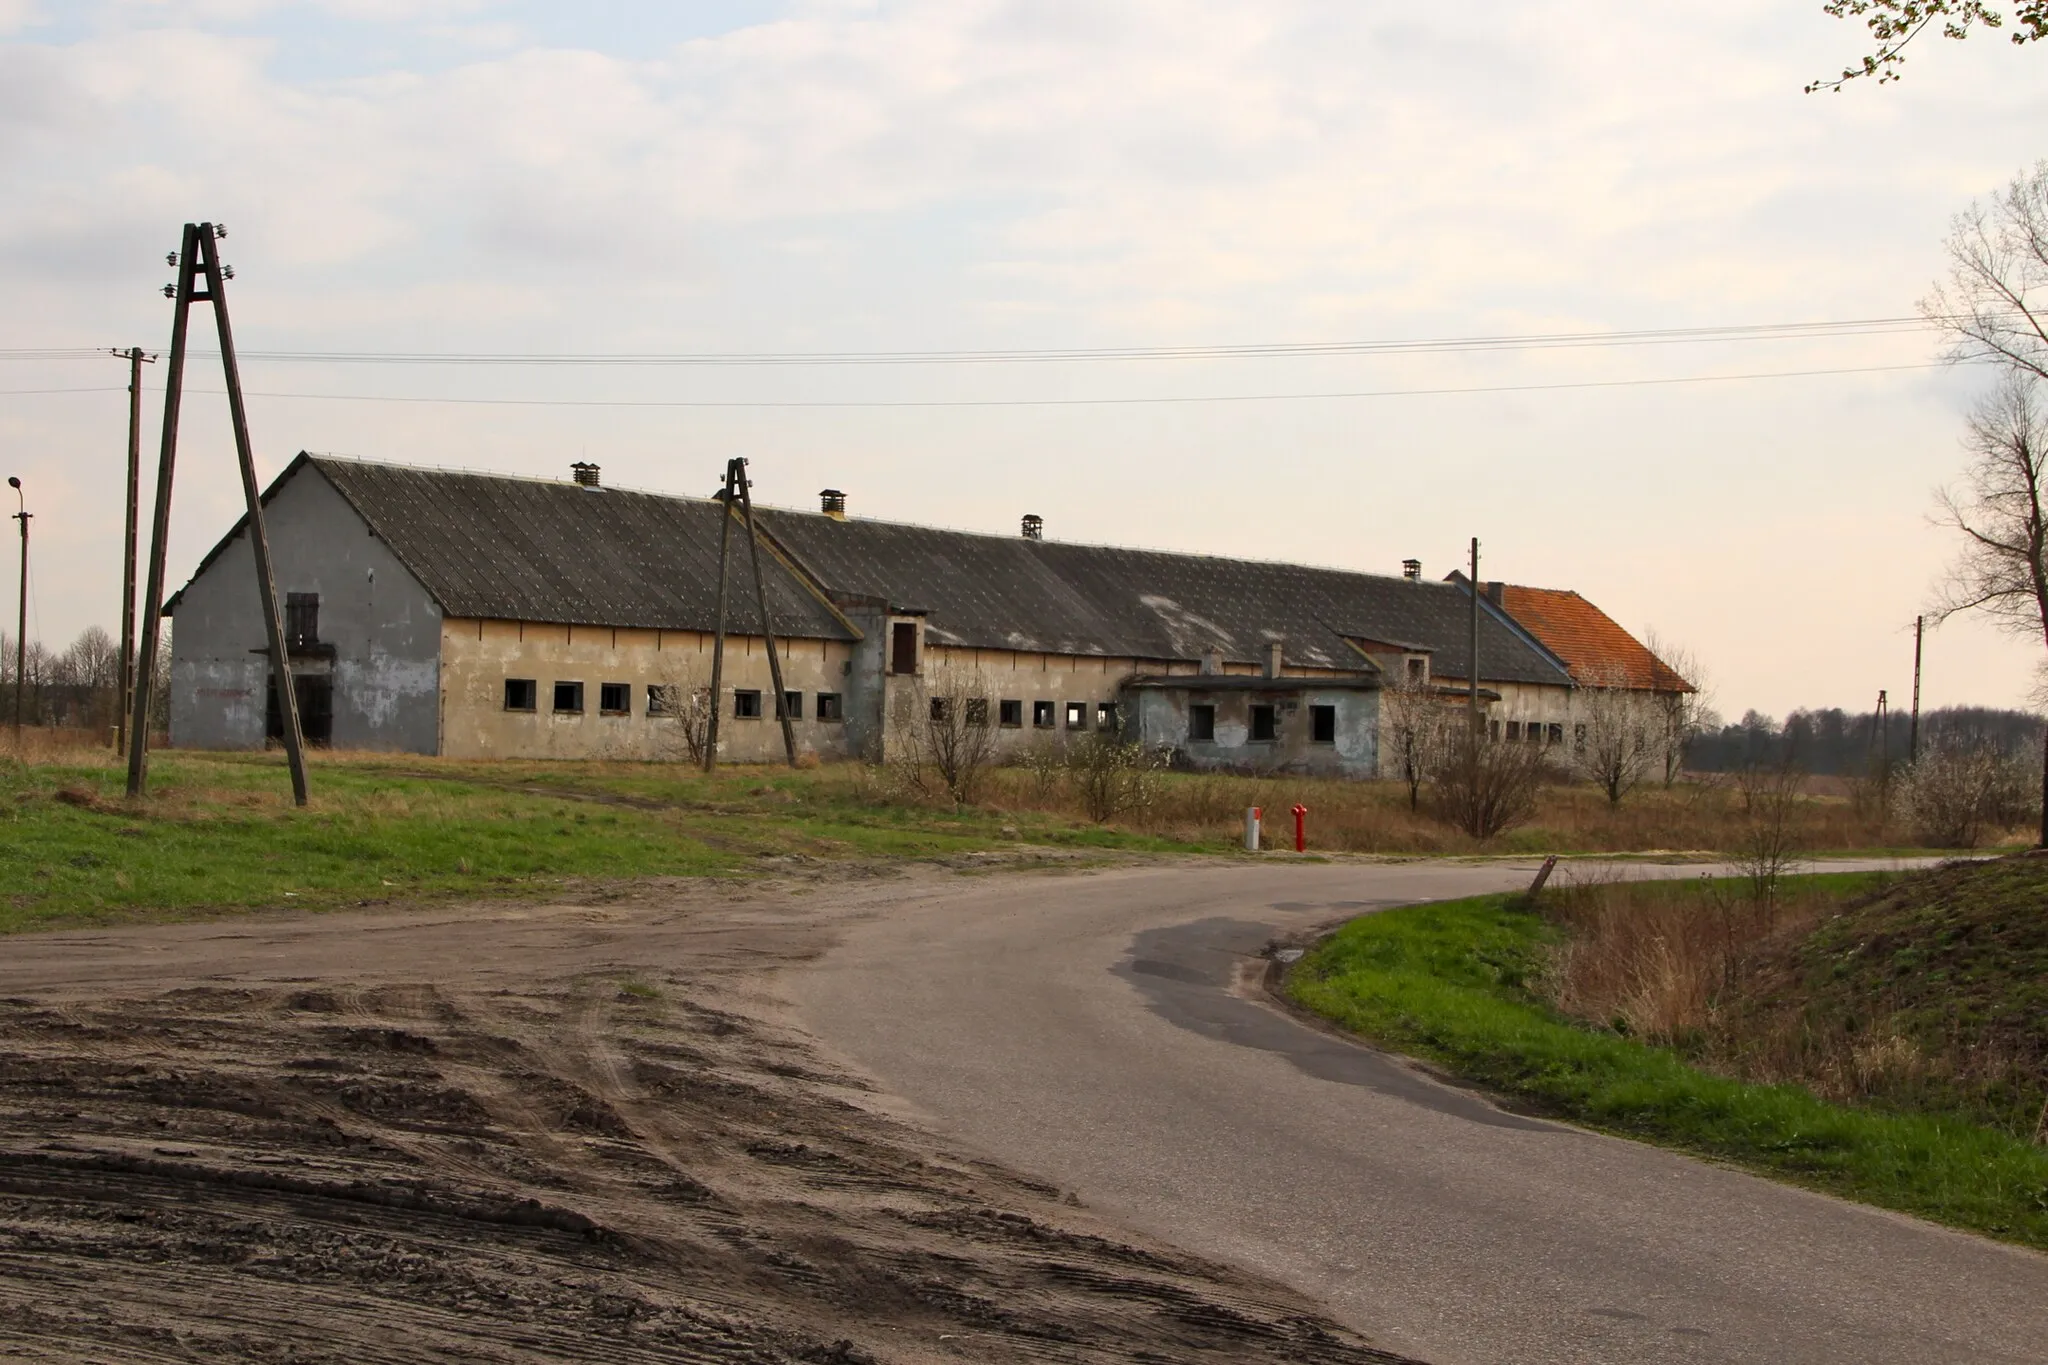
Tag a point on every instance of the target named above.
point(1107, 1033)
point(573, 1132)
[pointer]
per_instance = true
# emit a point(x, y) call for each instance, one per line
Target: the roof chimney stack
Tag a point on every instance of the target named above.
point(586, 474)
point(1274, 659)
point(1034, 526)
point(832, 503)
point(1411, 569)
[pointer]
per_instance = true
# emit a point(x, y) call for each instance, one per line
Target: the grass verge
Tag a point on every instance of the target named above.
point(219, 833)
point(1454, 983)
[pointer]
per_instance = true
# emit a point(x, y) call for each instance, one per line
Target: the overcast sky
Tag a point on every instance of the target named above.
point(476, 177)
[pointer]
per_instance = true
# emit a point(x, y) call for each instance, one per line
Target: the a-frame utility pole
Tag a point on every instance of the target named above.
point(202, 279)
point(738, 490)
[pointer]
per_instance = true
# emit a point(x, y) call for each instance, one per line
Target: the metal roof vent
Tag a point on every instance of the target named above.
point(586, 474)
point(832, 503)
point(1034, 526)
point(1411, 569)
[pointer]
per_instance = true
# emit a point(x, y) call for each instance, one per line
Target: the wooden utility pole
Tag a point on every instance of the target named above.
point(197, 257)
point(718, 638)
point(738, 490)
point(1913, 735)
point(21, 615)
point(124, 681)
point(761, 602)
point(1472, 683)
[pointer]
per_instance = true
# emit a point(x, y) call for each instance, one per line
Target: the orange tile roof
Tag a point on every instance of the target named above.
point(1598, 652)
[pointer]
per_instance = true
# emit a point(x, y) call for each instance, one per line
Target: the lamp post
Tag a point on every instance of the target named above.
point(21, 614)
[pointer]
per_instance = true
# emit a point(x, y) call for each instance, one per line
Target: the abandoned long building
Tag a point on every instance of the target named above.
point(474, 615)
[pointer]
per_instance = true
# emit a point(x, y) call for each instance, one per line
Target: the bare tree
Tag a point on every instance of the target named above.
point(681, 701)
point(92, 661)
point(1682, 716)
point(1767, 842)
point(1994, 304)
point(947, 734)
point(1112, 775)
point(2001, 511)
point(1418, 732)
point(1485, 788)
point(1617, 735)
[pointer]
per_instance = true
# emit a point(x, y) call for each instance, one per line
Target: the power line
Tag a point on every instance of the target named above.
point(1663, 336)
point(770, 403)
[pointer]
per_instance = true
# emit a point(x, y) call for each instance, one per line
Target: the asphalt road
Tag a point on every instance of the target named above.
point(1100, 1031)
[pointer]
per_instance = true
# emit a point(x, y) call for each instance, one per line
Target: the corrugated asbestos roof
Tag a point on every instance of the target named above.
point(531, 550)
point(1007, 592)
point(1599, 652)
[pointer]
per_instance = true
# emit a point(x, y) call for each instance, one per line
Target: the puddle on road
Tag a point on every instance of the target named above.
point(1185, 974)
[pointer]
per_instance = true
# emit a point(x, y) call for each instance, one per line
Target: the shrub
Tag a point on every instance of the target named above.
point(1957, 793)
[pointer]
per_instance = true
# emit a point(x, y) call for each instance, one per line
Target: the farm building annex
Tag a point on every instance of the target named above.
point(486, 616)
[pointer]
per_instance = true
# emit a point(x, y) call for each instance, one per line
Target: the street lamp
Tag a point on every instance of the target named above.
point(21, 615)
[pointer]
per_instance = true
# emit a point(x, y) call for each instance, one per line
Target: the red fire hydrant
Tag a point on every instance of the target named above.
point(1301, 829)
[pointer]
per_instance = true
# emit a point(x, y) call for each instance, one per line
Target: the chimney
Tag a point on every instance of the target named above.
point(1273, 659)
point(1034, 526)
point(832, 503)
point(585, 474)
point(1496, 593)
point(1411, 569)
point(1212, 661)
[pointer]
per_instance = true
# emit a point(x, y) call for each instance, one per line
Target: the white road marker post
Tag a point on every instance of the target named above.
point(1251, 829)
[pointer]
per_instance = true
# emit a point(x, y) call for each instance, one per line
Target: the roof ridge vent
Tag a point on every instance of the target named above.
point(1034, 526)
point(585, 474)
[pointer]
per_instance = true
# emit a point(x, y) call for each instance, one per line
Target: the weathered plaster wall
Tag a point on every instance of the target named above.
point(1027, 677)
point(384, 628)
point(478, 656)
point(1161, 715)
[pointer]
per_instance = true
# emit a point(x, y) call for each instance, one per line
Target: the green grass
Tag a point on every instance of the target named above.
point(1451, 983)
point(219, 832)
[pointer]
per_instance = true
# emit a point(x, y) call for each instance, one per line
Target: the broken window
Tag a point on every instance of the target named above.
point(1322, 724)
point(792, 706)
point(746, 704)
point(977, 711)
point(615, 699)
point(1202, 722)
point(1514, 729)
point(1011, 715)
point(1105, 715)
point(1556, 733)
point(1077, 715)
point(1533, 731)
point(569, 698)
point(1493, 731)
point(1042, 715)
point(661, 699)
point(942, 710)
point(301, 619)
point(1578, 739)
point(1418, 671)
point(521, 694)
point(1265, 724)
point(903, 647)
point(829, 707)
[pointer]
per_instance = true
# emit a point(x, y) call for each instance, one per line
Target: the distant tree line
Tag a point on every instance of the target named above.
point(1851, 744)
point(73, 687)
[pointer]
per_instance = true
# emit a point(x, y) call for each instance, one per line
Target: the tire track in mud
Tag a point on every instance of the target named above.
point(587, 1165)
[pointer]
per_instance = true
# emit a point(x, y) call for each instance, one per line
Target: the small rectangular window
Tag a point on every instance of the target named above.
point(1265, 724)
point(1514, 729)
point(746, 704)
point(569, 698)
point(1105, 715)
point(1011, 715)
point(659, 701)
point(301, 619)
point(829, 707)
point(1534, 732)
point(1322, 724)
point(1077, 715)
point(977, 711)
point(520, 694)
point(1418, 672)
point(1556, 733)
point(615, 699)
point(903, 647)
point(1579, 739)
point(1202, 722)
point(942, 710)
point(1493, 730)
point(792, 706)
point(1042, 715)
